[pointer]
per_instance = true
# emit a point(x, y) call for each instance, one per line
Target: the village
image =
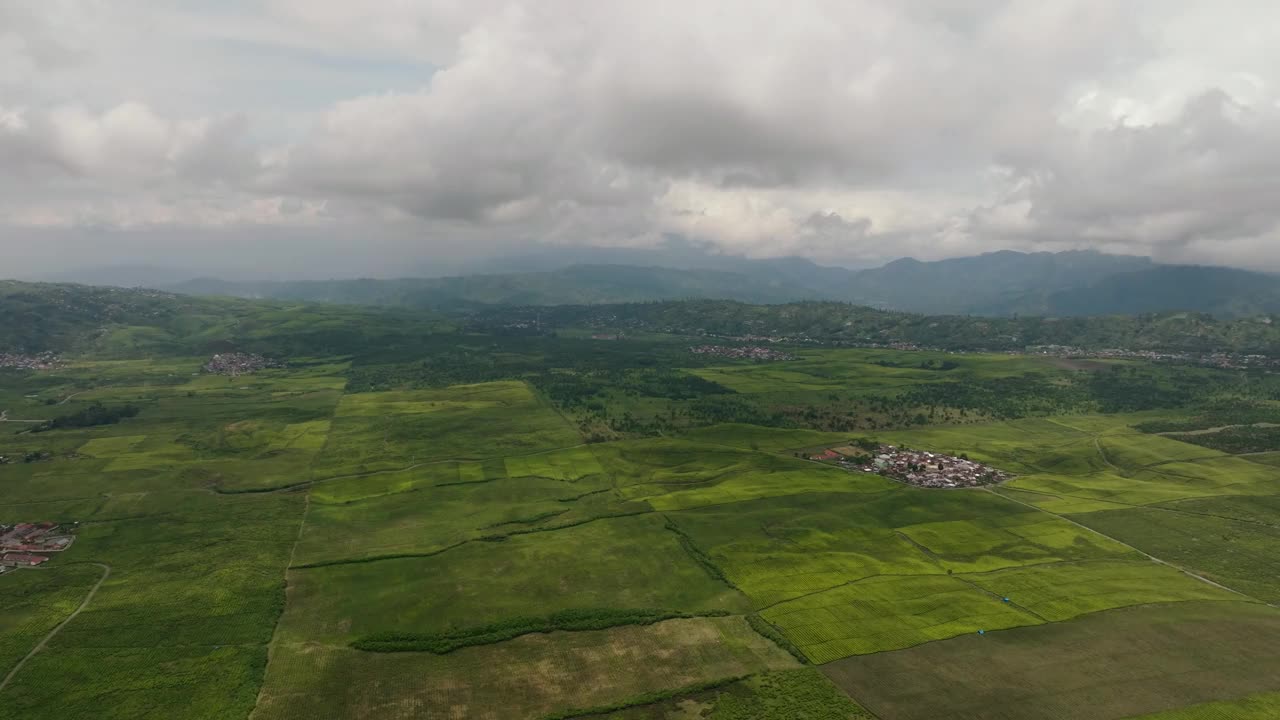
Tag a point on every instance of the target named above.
point(239, 364)
point(914, 467)
point(1224, 361)
point(27, 545)
point(40, 361)
point(748, 352)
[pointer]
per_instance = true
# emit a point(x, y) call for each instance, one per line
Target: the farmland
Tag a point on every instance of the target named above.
point(464, 525)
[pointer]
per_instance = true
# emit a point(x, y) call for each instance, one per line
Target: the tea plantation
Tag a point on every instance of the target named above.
point(547, 530)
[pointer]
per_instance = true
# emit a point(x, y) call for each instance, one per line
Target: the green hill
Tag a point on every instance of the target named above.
point(994, 284)
point(130, 323)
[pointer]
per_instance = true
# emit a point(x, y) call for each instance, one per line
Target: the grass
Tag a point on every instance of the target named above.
point(801, 694)
point(1103, 666)
point(421, 512)
point(471, 520)
point(1240, 555)
point(862, 369)
point(138, 683)
point(1067, 590)
point(624, 562)
point(560, 671)
point(183, 621)
point(1262, 706)
point(392, 430)
point(1271, 458)
point(679, 475)
point(1172, 481)
point(887, 613)
point(777, 549)
point(33, 602)
point(1133, 452)
point(565, 620)
point(754, 437)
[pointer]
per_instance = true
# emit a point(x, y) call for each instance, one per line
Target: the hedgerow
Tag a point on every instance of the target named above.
point(567, 620)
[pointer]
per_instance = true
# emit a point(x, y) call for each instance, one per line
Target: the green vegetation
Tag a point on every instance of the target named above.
point(90, 416)
point(1238, 554)
point(566, 620)
point(528, 677)
point(801, 694)
point(33, 603)
point(1237, 440)
point(483, 519)
point(1102, 666)
point(1262, 706)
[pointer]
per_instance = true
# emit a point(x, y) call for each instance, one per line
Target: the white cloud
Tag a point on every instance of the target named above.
point(845, 131)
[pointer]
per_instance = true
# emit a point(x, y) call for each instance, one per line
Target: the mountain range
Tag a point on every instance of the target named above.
point(1002, 283)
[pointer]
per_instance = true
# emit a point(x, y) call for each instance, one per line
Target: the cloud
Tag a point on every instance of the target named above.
point(847, 131)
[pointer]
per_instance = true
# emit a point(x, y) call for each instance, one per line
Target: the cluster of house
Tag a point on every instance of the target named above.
point(914, 467)
point(1228, 361)
point(239, 363)
point(26, 544)
point(39, 361)
point(746, 352)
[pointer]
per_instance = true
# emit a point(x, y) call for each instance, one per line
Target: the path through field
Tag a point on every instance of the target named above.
point(106, 573)
point(1147, 555)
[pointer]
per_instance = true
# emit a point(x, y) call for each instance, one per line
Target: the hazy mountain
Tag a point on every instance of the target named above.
point(993, 284)
point(1224, 292)
point(999, 283)
point(579, 284)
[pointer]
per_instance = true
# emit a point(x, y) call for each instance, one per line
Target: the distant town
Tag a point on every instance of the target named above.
point(914, 467)
point(1226, 361)
point(27, 545)
point(747, 352)
point(239, 364)
point(40, 361)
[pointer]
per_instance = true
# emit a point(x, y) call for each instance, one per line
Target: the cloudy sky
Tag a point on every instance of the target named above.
point(386, 137)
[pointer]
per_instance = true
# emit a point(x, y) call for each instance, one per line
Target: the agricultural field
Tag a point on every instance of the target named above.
point(1105, 666)
point(511, 528)
point(529, 677)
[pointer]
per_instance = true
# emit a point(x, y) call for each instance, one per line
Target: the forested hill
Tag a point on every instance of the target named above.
point(578, 284)
point(843, 323)
point(994, 284)
point(115, 322)
point(112, 322)
point(1224, 292)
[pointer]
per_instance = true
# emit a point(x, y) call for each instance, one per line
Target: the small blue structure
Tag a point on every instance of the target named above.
point(982, 632)
point(1005, 599)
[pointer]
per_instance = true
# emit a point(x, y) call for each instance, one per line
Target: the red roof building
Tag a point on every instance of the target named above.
point(21, 560)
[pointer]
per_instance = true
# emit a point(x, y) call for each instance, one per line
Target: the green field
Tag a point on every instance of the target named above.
point(301, 542)
point(1262, 706)
point(480, 582)
point(1238, 554)
point(526, 677)
point(1102, 666)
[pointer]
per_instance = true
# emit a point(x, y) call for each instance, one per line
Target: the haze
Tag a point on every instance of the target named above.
point(331, 138)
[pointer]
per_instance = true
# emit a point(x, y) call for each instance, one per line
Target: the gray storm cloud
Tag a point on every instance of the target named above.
point(843, 131)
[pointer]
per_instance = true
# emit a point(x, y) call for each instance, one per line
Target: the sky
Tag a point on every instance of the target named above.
point(398, 137)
